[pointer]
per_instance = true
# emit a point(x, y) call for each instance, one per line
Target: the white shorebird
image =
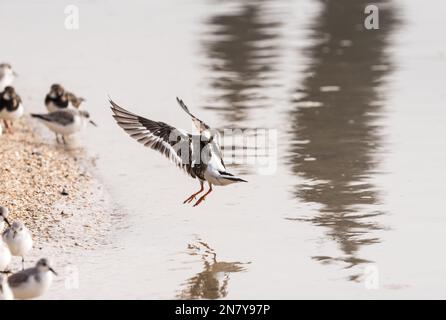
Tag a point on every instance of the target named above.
point(33, 282)
point(7, 75)
point(198, 155)
point(19, 240)
point(5, 290)
point(4, 213)
point(65, 122)
point(60, 99)
point(11, 107)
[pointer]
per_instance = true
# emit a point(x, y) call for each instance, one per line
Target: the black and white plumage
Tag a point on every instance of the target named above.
point(60, 99)
point(11, 107)
point(198, 155)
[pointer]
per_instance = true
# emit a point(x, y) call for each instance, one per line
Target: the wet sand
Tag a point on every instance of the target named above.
point(50, 188)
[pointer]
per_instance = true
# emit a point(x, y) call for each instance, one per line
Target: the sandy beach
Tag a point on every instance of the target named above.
point(51, 189)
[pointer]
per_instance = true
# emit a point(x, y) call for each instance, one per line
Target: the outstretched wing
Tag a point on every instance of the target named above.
point(156, 135)
point(201, 126)
point(19, 278)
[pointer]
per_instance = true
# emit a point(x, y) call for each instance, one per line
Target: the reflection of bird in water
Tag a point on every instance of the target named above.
point(212, 282)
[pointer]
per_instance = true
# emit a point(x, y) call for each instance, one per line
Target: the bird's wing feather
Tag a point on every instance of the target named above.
point(201, 126)
point(20, 277)
point(61, 117)
point(156, 135)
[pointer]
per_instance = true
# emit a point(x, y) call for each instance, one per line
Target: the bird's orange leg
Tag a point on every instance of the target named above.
point(203, 197)
point(7, 126)
point(5, 122)
point(192, 197)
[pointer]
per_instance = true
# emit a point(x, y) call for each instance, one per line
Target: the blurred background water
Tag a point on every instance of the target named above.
point(353, 208)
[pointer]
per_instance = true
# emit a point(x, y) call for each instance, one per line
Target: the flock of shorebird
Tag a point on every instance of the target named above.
point(64, 115)
point(64, 118)
point(28, 283)
point(199, 155)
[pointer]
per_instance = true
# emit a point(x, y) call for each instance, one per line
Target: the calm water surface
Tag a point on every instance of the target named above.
point(353, 208)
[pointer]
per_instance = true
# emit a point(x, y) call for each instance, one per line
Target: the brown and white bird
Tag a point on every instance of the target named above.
point(11, 107)
point(60, 99)
point(198, 155)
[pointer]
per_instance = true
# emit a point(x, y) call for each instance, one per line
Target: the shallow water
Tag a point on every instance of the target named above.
point(352, 208)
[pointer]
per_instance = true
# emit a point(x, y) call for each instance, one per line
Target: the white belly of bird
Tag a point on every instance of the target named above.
point(12, 115)
point(65, 129)
point(20, 245)
point(5, 256)
point(33, 288)
point(212, 175)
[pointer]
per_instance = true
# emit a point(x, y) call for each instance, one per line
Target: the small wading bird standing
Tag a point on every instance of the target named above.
point(33, 282)
point(11, 107)
point(65, 122)
point(60, 99)
point(198, 155)
point(19, 240)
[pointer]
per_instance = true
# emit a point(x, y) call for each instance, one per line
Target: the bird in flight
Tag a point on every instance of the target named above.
point(198, 155)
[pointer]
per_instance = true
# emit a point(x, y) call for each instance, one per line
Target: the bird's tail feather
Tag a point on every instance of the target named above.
point(231, 177)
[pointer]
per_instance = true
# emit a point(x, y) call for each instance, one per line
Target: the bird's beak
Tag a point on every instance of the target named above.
point(7, 222)
point(52, 270)
point(6, 272)
point(15, 233)
point(93, 123)
point(15, 74)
